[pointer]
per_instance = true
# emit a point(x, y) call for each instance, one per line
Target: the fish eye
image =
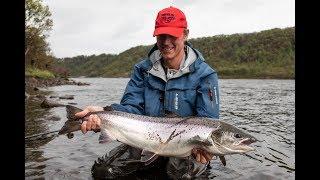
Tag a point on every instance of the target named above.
point(237, 135)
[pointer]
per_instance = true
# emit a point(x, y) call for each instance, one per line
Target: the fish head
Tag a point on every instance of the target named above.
point(231, 140)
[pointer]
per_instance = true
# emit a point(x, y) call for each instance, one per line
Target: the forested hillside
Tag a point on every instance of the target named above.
point(265, 54)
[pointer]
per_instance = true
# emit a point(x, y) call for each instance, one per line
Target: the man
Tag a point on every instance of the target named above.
point(174, 78)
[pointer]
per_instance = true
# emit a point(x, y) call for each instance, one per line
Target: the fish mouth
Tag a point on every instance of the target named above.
point(247, 141)
point(243, 145)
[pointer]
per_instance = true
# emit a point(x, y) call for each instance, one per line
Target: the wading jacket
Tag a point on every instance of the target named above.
point(190, 91)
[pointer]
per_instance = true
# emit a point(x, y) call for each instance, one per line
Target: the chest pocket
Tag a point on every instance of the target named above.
point(154, 96)
point(177, 95)
point(180, 97)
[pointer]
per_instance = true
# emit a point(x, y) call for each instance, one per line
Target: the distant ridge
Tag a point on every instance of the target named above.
point(264, 54)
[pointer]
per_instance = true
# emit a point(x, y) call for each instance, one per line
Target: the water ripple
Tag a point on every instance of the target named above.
point(263, 108)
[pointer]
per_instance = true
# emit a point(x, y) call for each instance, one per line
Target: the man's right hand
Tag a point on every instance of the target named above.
point(92, 122)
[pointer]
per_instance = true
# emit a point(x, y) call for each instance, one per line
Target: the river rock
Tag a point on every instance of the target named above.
point(72, 103)
point(53, 96)
point(40, 96)
point(54, 118)
point(26, 95)
point(82, 84)
point(67, 97)
point(49, 104)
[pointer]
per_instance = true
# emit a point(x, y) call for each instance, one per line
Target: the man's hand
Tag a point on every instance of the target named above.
point(202, 155)
point(92, 122)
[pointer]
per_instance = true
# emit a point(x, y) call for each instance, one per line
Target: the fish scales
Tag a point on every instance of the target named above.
point(168, 136)
point(175, 137)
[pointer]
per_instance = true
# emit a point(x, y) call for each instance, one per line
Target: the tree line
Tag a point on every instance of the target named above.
point(39, 60)
point(265, 54)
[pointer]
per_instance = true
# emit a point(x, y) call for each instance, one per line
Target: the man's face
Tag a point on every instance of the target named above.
point(170, 46)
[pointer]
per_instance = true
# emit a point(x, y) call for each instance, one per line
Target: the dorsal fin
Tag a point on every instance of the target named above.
point(169, 114)
point(108, 108)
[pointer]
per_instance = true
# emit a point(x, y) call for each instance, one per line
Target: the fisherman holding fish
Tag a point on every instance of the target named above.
point(173, 78)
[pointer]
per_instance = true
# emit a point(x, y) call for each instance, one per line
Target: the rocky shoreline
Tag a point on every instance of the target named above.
point(32, 91)
point(32, 82)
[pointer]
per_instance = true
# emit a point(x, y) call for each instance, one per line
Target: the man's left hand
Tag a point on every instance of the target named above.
point(202, 155)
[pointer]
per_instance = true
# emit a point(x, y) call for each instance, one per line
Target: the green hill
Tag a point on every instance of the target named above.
point(265, 54)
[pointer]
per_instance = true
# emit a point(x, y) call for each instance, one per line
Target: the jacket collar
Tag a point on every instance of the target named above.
point(187, 65)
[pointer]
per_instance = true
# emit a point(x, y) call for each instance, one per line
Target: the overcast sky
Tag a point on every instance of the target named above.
point(87, 27)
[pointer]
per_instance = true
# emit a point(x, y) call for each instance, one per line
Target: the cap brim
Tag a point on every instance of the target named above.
point(173, 31)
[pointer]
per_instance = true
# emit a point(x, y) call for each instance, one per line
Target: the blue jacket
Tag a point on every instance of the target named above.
point(192, 91)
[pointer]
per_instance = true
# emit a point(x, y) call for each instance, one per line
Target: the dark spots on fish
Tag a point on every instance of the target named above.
point(153, 136)
point(182, 121)
point(159, 138)
point(173, 135)
point(150, 136)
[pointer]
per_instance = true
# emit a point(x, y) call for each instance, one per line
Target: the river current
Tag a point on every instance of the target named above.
point(264, 108)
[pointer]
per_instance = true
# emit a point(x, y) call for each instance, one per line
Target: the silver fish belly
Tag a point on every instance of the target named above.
point(163, 136)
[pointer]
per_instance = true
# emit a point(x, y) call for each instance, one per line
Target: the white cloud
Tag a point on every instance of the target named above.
point(83, 27)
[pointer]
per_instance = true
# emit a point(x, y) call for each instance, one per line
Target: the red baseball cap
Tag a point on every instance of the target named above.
point(170, 21)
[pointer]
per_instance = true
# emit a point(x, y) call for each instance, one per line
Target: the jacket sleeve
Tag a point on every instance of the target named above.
point(208, 101)
point(133, 98)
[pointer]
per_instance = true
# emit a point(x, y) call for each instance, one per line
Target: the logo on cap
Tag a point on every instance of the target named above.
point(170, 21)
point(167, 17)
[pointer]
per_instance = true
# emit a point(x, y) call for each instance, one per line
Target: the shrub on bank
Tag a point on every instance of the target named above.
point(34, 72)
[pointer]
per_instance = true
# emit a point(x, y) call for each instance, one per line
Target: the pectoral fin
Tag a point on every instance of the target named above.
point(148, 157)
point(223, 160)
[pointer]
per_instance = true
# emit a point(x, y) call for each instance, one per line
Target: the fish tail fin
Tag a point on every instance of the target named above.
point(72, 124)
point(71, 111)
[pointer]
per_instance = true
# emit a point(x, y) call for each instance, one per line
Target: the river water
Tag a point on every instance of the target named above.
point(264, 108)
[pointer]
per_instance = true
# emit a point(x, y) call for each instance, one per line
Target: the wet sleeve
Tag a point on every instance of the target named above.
point(133, 98)
point(208, 101)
